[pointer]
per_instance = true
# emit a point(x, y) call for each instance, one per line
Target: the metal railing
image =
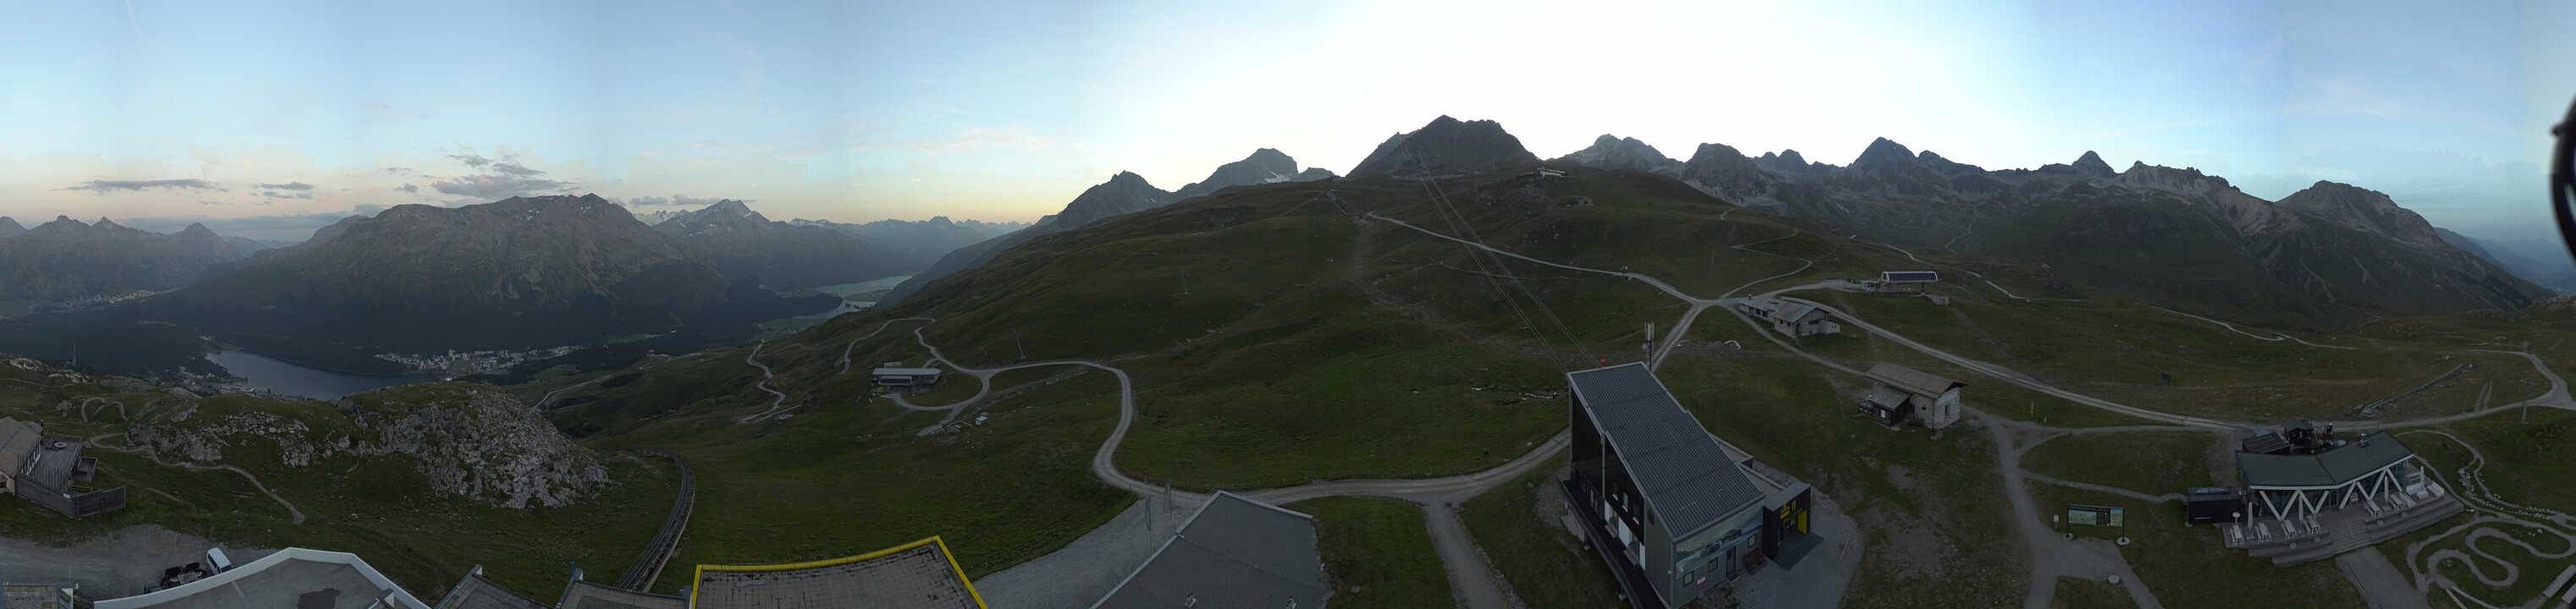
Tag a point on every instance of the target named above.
point(648, 567)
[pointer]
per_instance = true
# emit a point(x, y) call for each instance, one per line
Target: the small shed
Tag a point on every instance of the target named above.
point(1900, 395)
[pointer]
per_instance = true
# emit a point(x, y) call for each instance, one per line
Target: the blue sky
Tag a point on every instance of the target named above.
point(858, 111)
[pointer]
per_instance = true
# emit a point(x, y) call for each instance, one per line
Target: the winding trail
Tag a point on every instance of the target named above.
point(2495, 520)
point(98, 441)
point(777, 406)
point(2275, 337)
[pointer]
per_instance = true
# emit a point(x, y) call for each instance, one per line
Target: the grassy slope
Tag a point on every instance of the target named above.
point(1377, 553)
point(2151, 463)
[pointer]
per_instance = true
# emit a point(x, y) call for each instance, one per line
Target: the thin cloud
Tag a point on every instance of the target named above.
point(472, 160)
point(513, 168)
point(287, 186)
point(409, 188)
point(494, 186)
point(104, 186)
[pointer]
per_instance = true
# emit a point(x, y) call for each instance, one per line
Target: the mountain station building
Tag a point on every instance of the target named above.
point(1900, 395)
point(1672, 510)
point(2309, 495)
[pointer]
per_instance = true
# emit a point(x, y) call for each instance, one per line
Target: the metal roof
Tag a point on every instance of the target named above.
point(907, 372)
point(1235, 552)
point(580, 594)
point(1685, 476)
point(2333, 467)
point(475, 592)
point(1909, 276)
point(51, 467)
point(293, 577)
point(17, 440)
point(1913, 381)
point(1794, 311)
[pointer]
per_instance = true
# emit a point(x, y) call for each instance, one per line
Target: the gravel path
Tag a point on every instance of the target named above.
point(124, 563)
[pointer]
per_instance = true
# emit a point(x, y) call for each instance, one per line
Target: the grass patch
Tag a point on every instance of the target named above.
point(2079, 593)
point(1546, 565)
point(2153, 463)
point(1377, 553)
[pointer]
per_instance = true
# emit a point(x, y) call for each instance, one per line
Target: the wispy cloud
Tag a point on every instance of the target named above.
point(104, 186)
point(409, 188)
point(287, 186)
point(494, 186)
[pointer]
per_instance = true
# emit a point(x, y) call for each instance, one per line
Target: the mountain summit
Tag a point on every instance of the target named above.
point(9, 227)
point(1265, 166)
point(1614, 152)
point(1444, 147)
point(780, 256)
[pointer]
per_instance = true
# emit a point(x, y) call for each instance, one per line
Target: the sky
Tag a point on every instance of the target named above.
point(257, 116)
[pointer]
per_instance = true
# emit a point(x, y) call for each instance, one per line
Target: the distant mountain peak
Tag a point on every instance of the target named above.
point(196, 228)
point(1614, 152)
point(2362, 209)
point(9, 226)
point(2092, 163)
point(1445, 146)
point(1263, 166)
point(1883, 153)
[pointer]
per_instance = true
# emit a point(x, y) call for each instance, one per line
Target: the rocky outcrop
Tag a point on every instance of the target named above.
point(470, 441)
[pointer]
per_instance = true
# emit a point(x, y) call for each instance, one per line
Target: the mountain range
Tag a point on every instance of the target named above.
point(922, 241)
point(1124, 193)
point(68, 259)
point(782, 257)
point(2330, 255)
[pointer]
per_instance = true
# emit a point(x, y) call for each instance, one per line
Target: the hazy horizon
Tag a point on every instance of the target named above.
point(1003, 112)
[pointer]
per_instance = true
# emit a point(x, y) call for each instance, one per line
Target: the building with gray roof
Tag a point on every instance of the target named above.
point(49, 472)
point(475, 592)
point(1672, 511)
point(1790, 318)
point(1900, 394)
point(2291, 485)
point(588, 595)
point(1235, 552)
point(293, 577)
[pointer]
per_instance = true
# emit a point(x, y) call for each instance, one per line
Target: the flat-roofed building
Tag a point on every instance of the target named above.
point(475, 592)
point(294, 577)
point(896, 377)
point(1670, 508)
point(1234, 552)
point(919, 574)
